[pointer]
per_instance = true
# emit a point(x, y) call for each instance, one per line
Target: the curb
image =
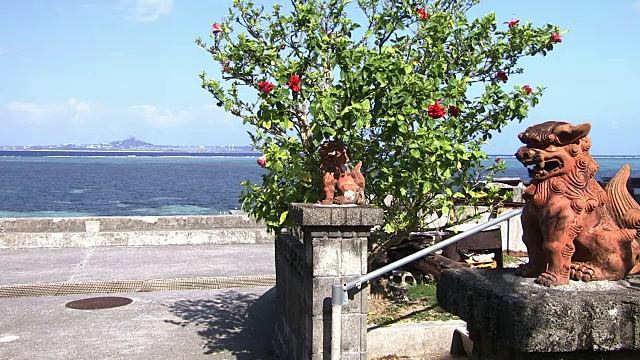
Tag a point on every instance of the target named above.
point(414, 340)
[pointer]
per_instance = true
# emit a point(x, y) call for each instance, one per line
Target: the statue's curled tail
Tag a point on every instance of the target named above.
point(623, 206)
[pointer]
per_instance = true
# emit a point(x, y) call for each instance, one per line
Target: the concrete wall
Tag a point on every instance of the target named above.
point(131, 231)
point(168, 230)
point(512, 231)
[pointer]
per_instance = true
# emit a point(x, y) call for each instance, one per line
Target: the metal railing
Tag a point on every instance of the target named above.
point(339, 292)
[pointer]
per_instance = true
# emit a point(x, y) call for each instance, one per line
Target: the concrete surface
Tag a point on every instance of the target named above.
point(212, 324)
point(188, 324)
point(30, 266)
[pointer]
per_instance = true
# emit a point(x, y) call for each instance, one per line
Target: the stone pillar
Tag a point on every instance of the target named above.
point(328, 246)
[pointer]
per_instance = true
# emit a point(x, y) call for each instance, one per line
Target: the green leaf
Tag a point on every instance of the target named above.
point(283, 217)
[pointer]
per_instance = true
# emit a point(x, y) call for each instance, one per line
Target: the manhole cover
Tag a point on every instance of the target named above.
point(96, 303)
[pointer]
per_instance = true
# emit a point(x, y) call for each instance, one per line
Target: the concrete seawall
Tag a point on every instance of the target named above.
point(19, 233)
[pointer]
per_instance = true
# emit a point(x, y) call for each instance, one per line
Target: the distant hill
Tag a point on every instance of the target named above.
point(131, 143)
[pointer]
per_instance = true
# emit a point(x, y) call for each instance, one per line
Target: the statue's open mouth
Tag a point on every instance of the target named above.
point(544, 168)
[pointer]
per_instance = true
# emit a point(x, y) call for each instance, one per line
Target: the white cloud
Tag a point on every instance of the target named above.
point(34, 112)
point(147, 10)
point(636, 5)
point(72, 109)
point(615, 124)
point(167, 118)
point(161, 119)
point(78, 107)
point(4, 51)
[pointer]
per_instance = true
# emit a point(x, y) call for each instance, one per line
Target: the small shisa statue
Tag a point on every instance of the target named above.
point(572, 227)
point(338, 178)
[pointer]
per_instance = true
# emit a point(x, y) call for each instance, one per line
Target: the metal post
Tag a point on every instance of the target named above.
point(338, 298)
point(508, 237)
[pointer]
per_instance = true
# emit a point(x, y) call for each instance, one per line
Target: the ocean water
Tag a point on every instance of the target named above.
point(51, 186)
point(122, 186)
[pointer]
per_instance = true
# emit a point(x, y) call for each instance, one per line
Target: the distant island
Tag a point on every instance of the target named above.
point(133, 144)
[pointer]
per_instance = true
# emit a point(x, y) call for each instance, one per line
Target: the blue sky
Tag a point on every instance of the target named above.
point(89, 71)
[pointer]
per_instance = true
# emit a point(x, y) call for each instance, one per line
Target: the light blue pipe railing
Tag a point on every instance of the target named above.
point(339, 292)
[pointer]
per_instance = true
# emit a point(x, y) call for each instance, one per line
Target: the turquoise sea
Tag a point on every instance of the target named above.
point(99, 185)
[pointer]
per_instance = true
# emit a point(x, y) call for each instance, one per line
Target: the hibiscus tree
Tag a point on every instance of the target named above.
point(382, 84)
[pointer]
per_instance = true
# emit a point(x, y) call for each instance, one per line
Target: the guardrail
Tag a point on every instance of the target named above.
point(339, 292)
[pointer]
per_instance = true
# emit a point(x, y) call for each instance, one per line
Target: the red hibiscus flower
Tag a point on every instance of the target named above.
point(422, 13)
point(556, 38)
point(265, 86)
point(502, 76)
point(436, 111)
point(512, 23)
point(262, 160)
point(498, 159)
point(454, 111)
point(527, 88)
point(294, 83)
point(216, 28)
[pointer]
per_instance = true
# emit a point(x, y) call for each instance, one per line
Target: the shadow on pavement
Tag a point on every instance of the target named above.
point(239, 323)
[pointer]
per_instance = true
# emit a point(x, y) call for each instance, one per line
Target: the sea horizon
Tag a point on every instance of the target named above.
point(79, 152)
point(121, 153)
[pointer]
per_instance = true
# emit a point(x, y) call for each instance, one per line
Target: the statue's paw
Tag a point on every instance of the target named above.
point(527, 270)
point(341, 200)
point(581, 272)
point(551, 279)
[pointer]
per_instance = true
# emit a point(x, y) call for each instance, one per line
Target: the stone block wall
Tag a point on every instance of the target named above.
point(328, 246)
point(290, 323)
point(16, 233)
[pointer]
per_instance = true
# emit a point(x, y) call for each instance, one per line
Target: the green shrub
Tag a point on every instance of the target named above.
point(414, 88)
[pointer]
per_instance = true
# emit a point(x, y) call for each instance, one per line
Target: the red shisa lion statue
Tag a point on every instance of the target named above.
point(337, 177)
point(572, 227)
